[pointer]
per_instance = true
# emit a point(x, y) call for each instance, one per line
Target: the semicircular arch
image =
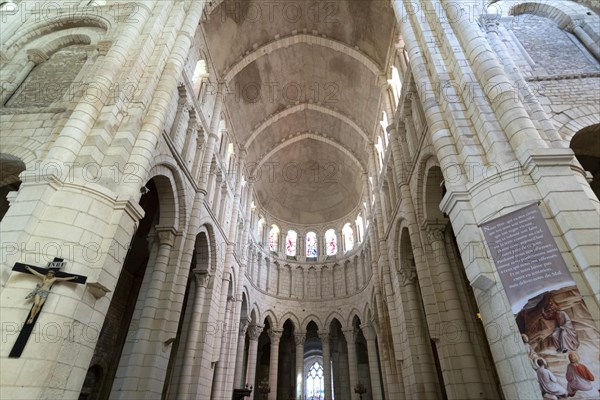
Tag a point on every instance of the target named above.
point(304, 107)
point(301, 38)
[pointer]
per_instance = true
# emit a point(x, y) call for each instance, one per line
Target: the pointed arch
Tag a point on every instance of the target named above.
point(313, 318)
point(293, 319)
point(269, 315)
point(332, 317)
point(353, 313)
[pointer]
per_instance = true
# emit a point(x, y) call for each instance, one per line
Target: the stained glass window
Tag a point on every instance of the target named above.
point(315, 388)
point(331, 242)
point(274, 239)
point(348, 237)
point(290, 243)
point(311, 244)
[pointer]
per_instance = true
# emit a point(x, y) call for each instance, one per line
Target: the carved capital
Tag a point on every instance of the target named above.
point(299, 339)
point(230, 302)
point(37, 56)
point(435, 234)
point(244, 324)
point(491, 22)
point(408, 276)
point(166, 235)
point(350, 335)
point(254, 331)
point(275, 335)
point(202, 277)
point(368, 332)
point(103, 46)
point(325, 337)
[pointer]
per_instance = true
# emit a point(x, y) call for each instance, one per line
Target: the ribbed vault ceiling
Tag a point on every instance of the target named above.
point(305, 83)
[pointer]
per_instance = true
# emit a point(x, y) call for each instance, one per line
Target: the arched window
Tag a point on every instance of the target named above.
point(274, 239)
point(360, 228)
point(330, 242)
point(384, 124)
point(260, 230)
point(200, 78)
point(290, 243)
point(380, 151)
point(396, 84)
point(311, 245)
point(315, 387)
point(348, 237)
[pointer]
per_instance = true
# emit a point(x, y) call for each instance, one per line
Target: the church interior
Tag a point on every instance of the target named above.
point(300, 199)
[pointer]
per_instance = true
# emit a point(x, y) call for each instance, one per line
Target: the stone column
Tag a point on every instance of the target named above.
point(254, 332)
point(187, 380)
point(34, 57)
point(238, 382)
point(212, 139)
point(275, 336)
point(221, 368)
point(326, 364)
point(299, 338)
point(456, 354)
point(371, 338)
point(352, 362)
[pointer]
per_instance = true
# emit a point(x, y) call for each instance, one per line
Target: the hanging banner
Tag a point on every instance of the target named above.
point(561, 336)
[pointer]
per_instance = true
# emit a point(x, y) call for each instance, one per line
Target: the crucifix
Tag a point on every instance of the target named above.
point(48, 277)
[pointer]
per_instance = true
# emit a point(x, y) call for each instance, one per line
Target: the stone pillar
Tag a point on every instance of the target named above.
point(352, 362)
point(254, 332)
point(186, 387)
point(221, 368)
point(34, 57)
point(299, 338)
point(275, 336)
point(238, 382)
point(212, 139)
point(326, 364)
point(371, 338)
point(456, 355)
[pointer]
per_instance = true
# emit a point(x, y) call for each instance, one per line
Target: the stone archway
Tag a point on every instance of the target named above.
point(586, 146)
point(118, 335)
point(10, 168)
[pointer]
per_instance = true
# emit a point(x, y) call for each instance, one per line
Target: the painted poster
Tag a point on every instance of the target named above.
point(555, 324)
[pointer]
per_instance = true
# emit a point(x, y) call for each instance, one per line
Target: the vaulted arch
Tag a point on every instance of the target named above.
point(301, 38)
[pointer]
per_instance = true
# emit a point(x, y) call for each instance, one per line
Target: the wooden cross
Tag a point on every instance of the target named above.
point(49, 276)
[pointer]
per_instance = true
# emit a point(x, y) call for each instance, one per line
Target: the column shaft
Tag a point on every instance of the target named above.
point(299, 338)
point(254, 332)
point(326, 365)
point(352, 370)
point(275, 336)
point(373, 362)
point(238, 382)
point(186, 381)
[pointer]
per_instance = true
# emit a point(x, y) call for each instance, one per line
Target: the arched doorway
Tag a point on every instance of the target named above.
point(586, 146)
point(10, 168)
